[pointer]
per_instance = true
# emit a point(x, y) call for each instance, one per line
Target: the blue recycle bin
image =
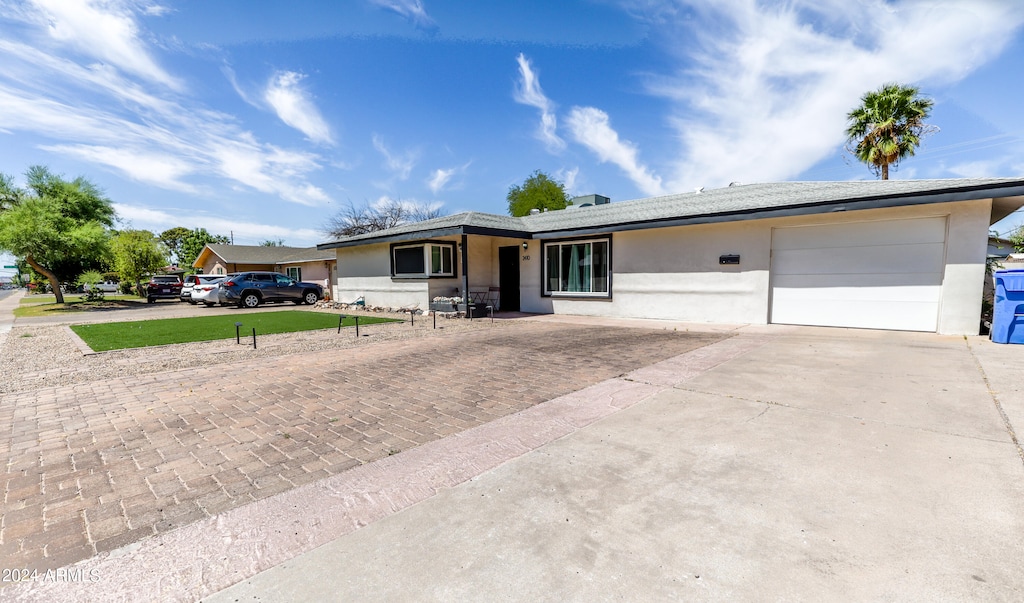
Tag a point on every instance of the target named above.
point(1008, 313)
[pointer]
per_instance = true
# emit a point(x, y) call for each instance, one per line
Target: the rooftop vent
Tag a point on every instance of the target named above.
point(588, 200)
point(534, 211)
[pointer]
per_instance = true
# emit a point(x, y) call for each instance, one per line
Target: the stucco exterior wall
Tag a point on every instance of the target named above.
point(366, 272)
point(674, 273)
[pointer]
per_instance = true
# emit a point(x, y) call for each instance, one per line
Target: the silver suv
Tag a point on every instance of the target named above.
point(250, 289)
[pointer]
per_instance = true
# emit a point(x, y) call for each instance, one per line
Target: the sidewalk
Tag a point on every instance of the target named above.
point(781, 463)
point(7, 306)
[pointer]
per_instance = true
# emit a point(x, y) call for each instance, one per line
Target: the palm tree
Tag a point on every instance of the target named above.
point(887, 126)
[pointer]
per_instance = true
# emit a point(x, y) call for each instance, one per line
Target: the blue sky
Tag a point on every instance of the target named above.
point(263, 118)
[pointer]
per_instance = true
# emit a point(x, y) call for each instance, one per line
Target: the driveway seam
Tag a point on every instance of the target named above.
point(995, 401)
point(843, 416)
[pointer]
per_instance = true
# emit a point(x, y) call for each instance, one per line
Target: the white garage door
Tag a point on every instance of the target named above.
point(876, 275)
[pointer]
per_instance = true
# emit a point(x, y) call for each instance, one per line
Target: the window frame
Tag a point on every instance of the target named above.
point(427, 248)
point(547, 246)
point(298, 273)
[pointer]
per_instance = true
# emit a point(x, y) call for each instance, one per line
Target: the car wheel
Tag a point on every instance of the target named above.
point(311, 297)
point(250, 300)
point(150, 300)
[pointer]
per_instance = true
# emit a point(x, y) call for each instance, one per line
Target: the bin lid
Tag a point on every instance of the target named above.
point(1011, 282)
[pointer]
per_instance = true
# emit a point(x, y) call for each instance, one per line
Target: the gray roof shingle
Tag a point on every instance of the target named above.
point(732, 200)
point(262, 254)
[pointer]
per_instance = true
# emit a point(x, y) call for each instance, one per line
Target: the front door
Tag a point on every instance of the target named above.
point(508, 277)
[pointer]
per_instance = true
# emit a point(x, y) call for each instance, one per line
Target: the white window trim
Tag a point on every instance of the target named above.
point(427, 257)
point(580, 294)
point(298, 273)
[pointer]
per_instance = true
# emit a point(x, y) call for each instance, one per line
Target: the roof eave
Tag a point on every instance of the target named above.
point(429, 234)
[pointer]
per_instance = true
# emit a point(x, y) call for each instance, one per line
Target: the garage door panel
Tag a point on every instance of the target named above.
point(898, 259)
point(861, 314)
point(831, 292)
point(880, 275)
point(859, 234)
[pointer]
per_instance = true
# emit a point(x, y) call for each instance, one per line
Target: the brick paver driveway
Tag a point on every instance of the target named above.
point(92, 467)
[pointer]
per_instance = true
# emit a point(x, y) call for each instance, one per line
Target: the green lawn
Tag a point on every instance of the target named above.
point(120, 335)
point(48, 298)
point(44, 305)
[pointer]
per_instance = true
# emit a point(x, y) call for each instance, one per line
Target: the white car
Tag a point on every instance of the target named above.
point(192, 281)
point(105, 287)
point(206, 292)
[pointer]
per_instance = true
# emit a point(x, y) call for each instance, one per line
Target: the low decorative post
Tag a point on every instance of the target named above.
point(254, 338)
point(238, 338)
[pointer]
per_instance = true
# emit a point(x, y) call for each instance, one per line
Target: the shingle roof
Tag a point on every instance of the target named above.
point(262, 254)
point(729, 203)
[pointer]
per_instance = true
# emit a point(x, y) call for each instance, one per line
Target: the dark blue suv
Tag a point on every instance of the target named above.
point(250, 289)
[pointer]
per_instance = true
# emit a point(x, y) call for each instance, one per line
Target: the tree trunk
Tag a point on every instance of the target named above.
point(54, 284)
point(885, 171)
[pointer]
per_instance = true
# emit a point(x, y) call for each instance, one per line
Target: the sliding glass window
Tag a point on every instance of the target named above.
point(576, 268)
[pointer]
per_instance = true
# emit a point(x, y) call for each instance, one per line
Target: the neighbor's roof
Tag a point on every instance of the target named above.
point(262, 254)
point(740, 202)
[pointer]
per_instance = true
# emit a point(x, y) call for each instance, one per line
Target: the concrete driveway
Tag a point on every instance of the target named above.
point(779, 464)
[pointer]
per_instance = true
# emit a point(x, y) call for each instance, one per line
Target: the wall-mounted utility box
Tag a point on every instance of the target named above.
point(728, 259)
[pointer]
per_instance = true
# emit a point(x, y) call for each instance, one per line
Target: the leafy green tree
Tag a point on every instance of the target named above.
point(137, 253)
point(57, 226)
point(9, 193)
point(539, 191)
point(888, 126)
point(172, 238)
point(272, 243)
point(1017, 239)
point(193, 243)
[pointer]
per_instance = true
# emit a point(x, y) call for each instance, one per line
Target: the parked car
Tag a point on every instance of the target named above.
point(250, 289)
point(105, 287)
point(163, 286)
point(195, 279)
point(207, 293)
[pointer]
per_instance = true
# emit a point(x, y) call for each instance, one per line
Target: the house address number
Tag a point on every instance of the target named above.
point(526, 258)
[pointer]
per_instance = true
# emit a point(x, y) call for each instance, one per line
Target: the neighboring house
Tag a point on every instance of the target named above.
point(301, 263)
point(893, 254)
point(999, 248)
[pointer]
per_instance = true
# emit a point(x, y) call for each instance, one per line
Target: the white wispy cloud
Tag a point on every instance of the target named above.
point(764, 88)
point(295, 107)
point(104, 30)
point(568, 178)
point(245, 233)
point(413, 10)
point(439, 178)
point(400, 164)
point(528, 92)
point(591, 128)
point(108, 116)
point(411, 204)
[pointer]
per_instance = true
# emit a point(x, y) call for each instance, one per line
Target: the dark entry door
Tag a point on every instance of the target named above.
point(508, 277)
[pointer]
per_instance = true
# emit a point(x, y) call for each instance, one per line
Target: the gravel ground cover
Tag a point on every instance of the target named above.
point(47, 356)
